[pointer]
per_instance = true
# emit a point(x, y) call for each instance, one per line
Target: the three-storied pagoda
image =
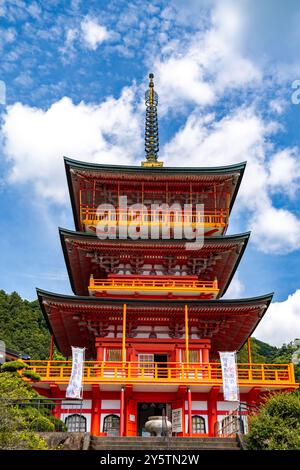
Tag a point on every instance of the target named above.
point(149, 311)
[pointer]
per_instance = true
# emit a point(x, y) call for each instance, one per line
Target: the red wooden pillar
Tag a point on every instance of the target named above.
point(122, 414)
point(96, 409)
point(51, 348)
point(99, 350)
point(205, 355)
point(56, 393)
point(190, 426)
point(212, 410)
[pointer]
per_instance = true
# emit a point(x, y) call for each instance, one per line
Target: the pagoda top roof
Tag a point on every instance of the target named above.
point(223, 253)
point(78, 320)
point(81, 173)
point(98, 168)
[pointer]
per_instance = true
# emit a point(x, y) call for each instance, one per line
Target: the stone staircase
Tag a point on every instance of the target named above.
point(160, 443)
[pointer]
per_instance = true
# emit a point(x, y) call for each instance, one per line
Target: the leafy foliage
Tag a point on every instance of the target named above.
point(13, 387)
point(30, 374)
point(13, 366)
point(15, 429)
point(17, 424)
point(277, 426)
point(22, 326)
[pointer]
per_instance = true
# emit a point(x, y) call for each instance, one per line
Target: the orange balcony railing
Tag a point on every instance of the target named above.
point(152, 286)
point(208, 219)
point(274, 375)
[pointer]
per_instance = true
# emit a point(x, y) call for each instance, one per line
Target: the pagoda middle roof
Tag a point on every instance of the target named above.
point(86, 254)
point(79, 320)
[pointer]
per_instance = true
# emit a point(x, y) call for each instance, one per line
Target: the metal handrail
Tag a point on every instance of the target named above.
point(220, 216)
point(213, 285)
point(233, 423)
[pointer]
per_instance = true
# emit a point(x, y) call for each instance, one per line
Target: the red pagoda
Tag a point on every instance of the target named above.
point(149, 312)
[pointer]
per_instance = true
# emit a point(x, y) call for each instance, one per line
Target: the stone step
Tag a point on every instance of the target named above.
point(162, 440)
point(163, 447)
point(142, 443)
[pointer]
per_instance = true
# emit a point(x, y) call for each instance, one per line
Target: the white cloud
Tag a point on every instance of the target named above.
point(278, 105)
point(275, 230)
point(35, 140)
point(71, 36)
point(281, 323)
point(244, 135)
point(285, 171)
point(235, 289)
point(202, 66)
point(254, 26)
point(93, 33)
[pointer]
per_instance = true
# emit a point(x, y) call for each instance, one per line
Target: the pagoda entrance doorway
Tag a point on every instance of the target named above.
point(145, 410)
point(154, 362)
point(162, 363)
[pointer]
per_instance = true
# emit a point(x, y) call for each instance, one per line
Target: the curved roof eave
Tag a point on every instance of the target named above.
point(63, 233)
point(266, 298)
point(69, 162)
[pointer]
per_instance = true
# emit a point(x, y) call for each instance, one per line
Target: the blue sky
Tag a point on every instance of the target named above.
point(75, 75)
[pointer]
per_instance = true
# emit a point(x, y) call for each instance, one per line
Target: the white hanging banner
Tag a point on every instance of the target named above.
point(229, 375)
point(74, 389)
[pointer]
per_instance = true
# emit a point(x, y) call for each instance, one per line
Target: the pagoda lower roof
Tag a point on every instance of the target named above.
point(79, 320)
point(86, 254)
point(79, 172)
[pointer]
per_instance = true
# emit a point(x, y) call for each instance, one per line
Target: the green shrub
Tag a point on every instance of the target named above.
point(277, 426)
point(42, 424)
point(13, 366)
point(12, 386)
point(22, 440)
point(29, 374)
point(58, 424)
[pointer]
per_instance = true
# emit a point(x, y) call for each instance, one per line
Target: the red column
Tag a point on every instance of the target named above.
point(51, 348)
point(122, 414)
point(205, 355)
point(96, 408)
point(57, 410)
point(190, 428)
point(212, 410)
point(56, 393)
point(99, 351)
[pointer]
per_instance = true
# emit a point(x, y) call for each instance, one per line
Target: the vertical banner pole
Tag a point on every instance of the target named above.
point(187, 358)
point(51, 348)
point(124, 335)
point(249, 350)
point(190, 425)
point(122, 401)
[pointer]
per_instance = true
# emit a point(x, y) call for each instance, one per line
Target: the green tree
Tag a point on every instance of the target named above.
point(256, 353)
point(17, 424)
point(277, 426)
point(22, 326)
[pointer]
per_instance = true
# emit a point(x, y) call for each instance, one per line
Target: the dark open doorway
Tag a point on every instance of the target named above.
point(149, 409)
point(162, 363)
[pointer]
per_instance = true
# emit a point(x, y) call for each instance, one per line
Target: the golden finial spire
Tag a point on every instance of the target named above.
point(151, 126)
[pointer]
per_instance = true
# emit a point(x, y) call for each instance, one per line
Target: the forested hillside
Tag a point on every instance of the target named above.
point(23, 328)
